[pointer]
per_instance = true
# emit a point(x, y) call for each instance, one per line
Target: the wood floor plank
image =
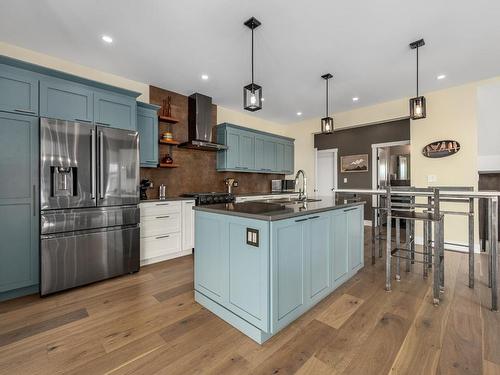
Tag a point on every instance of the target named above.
point(490, 368)
point(34, 329)
point(162, 296)
point(339, 311)
point(314, 366)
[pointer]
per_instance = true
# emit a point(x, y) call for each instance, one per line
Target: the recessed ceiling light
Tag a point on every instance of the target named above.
point(355, 99)
point(299, 113)
point(204, 77)
point(107, 39)
point(262, 99)
point(441, 76)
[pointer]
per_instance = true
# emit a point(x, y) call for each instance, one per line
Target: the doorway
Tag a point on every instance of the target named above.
point(326, 171)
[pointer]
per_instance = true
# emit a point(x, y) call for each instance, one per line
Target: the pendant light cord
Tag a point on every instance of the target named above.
point(327, 98)
point(417, 72)
point(252, 59)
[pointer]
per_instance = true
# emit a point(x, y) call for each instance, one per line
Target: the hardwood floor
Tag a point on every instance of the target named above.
point(148, 323)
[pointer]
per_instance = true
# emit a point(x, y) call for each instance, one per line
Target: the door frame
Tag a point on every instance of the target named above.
point(335, 152)
point(375, 147)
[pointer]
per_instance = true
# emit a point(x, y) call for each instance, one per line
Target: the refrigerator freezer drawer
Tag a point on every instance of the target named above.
point(58, 221)
point(161, 224)
point(81, 258)
point(152, 247)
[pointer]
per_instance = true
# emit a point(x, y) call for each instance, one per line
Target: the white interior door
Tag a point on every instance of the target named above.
point(326, 172)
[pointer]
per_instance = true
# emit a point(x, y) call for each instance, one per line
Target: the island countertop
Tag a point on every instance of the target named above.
point(277, 211)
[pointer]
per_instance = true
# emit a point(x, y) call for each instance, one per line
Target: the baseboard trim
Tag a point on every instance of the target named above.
point(145, 262)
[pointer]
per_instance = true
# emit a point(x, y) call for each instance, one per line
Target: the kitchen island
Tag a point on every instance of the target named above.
point(261, 265)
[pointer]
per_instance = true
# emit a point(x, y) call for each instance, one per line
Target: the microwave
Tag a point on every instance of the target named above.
point(283, 186)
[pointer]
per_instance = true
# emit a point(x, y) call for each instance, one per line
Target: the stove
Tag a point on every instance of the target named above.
point(202, 199)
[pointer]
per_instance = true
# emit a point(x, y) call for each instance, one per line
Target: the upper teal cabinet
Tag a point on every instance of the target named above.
point(18, 91)
point(114, 110)
point(147, 126)
point(66, 100)
point(251, 150)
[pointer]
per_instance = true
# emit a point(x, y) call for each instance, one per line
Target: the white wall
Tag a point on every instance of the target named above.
point(488, 127)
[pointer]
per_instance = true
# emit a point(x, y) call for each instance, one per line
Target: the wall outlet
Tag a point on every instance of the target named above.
point(345, 180)
point(431, 178)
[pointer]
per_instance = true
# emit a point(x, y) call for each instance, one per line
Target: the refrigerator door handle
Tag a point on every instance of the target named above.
point(93, 163)
point(101, 165)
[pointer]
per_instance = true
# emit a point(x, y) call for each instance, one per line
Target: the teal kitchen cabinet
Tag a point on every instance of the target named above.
point(251, 150)
point(288, 271)
point(115, 110)
point(18, 91)
point(355, 237)
point(212, 268)
point(248, 272)
point(147, 126)
point(318, 262)
point(66, 100)
point(19, 211)
point(340, 265)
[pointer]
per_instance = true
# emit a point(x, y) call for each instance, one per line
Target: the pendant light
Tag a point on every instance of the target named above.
point(252, 93)
point(327, 122)
point(417, 104)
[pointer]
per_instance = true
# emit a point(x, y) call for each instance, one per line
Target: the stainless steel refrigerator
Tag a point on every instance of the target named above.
point(89, 195)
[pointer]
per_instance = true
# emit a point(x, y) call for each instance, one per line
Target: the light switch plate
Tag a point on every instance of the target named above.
point(431, 178)
point(253, 237)
point(345, 180)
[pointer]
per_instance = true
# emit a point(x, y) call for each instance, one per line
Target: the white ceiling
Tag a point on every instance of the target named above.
point(363, 43)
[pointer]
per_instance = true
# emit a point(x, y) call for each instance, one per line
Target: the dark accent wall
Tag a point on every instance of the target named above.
point(359, 140)
point(197, 169)
point(487, 181)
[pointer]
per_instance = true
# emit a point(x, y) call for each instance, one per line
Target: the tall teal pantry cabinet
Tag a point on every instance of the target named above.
point(28, 92)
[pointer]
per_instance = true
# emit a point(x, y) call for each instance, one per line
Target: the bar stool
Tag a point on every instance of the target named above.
point(433, 252)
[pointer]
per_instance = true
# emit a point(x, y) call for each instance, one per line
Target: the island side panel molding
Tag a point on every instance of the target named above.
point(319, 256)
point(340, 262)
point(355, 238)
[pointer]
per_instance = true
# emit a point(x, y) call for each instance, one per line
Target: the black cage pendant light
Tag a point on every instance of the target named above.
point(417, 104)
point(327, 121)
point(252, 93)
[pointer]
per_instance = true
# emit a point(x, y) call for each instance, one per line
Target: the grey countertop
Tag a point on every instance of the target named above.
point(268, 193)
point(168, 199)
point(276, 211)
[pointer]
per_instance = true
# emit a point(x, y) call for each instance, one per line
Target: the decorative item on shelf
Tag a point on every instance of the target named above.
point(166, 108)
point(441, 149)
point(252, 93)
point(354, 163)
point(144, 186)
point(168, 159)
point(327, 121)
point(417, 104)
point(162, 192)
point(167, 136)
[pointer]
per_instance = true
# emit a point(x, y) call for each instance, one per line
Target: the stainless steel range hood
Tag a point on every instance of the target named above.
point(200, 124)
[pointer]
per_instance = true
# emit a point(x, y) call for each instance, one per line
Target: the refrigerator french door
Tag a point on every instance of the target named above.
point(89, 195)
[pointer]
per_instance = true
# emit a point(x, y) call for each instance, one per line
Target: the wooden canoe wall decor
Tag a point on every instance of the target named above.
point(441, 149)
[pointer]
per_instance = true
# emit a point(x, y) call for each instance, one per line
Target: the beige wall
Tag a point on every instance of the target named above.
point(246, 119)
point(76, 69)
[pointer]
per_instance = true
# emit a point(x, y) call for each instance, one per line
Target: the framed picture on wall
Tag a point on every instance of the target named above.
point(354, 163)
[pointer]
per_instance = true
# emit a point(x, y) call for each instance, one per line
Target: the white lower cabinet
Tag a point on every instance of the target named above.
point(167, 230)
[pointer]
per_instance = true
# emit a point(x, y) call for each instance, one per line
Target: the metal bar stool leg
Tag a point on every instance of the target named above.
point(494, 249)
point(412, 245)
point(398, 246)
point(388, 257)
point(490, 231)
point(379, 232)
point(374, 223)
point(441, 257)
point(425, 249)
point(436, 278)
point(471, 242)
point(429, 243)
point(407, 245)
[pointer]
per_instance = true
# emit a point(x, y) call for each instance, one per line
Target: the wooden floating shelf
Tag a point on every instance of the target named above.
point(171, 143)
point(165, 165)
point(170, 120)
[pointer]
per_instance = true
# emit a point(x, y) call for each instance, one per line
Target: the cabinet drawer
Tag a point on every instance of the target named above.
point(160, 208)
point(161, 224)
point(152, 247)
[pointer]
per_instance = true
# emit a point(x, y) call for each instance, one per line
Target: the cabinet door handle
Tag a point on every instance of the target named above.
point(163, 217)
point(34, 200)
point(103, 123)
point(299, 220)
point(24, 111)
point(101, 165)
point(351, 209)
point(313, 217)
point(160, 237)
point(92, 164)
point(82, 120)
point(162, 204)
